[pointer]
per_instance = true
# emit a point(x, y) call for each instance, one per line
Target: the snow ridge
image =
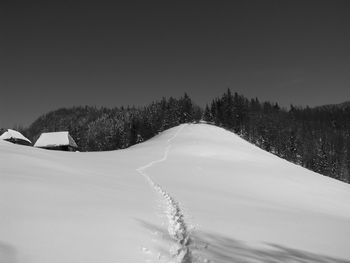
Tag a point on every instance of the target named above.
point(177, 227)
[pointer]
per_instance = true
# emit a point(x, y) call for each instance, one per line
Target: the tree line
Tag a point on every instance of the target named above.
point(315, 138)
point(103, 129)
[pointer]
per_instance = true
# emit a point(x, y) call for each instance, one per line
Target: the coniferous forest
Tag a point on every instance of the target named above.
point(315, 138)
point(103, 129)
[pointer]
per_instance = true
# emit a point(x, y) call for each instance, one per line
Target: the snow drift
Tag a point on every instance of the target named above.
point(195, 193)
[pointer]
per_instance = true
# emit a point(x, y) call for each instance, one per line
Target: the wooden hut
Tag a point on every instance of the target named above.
point(15, 137)
point(61, 141)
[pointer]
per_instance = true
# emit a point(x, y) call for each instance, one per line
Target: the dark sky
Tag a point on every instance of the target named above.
point(60, 53)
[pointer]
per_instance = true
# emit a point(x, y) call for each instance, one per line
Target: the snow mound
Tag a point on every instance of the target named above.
point(208, 194)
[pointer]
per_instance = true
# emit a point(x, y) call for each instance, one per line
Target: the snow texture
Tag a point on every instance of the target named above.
point(12, 134)
point(215, 198)
point(53, 139)
point(177, 227)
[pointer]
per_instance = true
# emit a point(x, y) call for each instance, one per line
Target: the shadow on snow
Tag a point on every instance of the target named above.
point(7, 253)
point(214, 248)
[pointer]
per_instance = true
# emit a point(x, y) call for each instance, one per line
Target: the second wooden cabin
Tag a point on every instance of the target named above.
point(61, 141)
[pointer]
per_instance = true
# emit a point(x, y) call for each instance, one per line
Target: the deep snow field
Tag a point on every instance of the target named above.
point(194, 193)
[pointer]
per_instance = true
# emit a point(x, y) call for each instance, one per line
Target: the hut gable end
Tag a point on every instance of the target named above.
point(56, 141)
point(15, 137)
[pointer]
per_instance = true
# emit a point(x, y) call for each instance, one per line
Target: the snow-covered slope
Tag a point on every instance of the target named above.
point(195, 193)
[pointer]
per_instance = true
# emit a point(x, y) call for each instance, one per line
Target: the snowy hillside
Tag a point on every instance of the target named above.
point(195, 193)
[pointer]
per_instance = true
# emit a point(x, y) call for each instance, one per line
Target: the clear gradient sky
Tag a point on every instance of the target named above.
point(59, 53)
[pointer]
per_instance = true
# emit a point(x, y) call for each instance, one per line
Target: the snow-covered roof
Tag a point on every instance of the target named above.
point(12, 134)
point(54, 139)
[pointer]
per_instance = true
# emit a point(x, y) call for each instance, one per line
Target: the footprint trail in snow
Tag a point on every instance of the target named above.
point(177, 227)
